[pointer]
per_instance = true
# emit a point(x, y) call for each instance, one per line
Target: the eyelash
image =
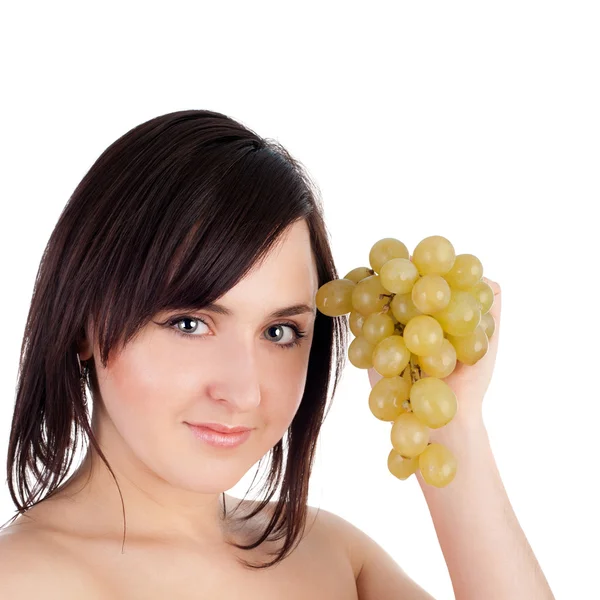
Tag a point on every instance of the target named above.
point(299, 333)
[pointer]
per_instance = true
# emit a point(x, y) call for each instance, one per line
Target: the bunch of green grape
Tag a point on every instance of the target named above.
point(413, 318)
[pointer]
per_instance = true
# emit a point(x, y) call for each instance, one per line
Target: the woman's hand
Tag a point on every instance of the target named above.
point(470, 383)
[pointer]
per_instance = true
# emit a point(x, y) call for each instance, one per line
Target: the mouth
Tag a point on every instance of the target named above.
point(230, 438)
point(222, 428)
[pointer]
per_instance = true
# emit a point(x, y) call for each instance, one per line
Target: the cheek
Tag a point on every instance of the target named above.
point(136, 388)
point(283, 388)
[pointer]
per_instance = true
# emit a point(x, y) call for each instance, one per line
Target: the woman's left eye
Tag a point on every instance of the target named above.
point(276, 331)
point(279, 330)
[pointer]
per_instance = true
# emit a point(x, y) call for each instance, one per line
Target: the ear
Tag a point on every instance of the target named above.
point(85, 342)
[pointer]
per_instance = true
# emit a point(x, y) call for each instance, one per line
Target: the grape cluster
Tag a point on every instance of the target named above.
point(413, 318)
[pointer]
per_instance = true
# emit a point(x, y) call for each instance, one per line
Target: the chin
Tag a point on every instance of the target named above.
point(209, 479)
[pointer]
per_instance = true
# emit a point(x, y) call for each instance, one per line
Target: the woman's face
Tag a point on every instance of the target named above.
point(234, 370)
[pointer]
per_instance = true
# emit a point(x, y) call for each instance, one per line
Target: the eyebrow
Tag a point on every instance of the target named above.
point(288, 311)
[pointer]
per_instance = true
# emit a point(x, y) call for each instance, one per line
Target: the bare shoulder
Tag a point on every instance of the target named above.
point(333, 530)
point(378, 576)
point(32, 566)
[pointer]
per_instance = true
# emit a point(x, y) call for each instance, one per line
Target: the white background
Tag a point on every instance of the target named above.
point(476, 121)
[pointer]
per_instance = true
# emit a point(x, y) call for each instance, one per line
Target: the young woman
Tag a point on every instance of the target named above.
point(178, 288)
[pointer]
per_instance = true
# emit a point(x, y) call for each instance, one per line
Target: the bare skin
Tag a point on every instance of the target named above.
point(70, 558)
point(229, 370)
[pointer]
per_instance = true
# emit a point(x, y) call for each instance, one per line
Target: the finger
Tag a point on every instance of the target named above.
point(374, 376)
point(496, 308)
point(493, 284)
point(495, 311)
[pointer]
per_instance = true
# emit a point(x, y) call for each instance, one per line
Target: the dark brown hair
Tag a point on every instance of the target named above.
point(172, 214)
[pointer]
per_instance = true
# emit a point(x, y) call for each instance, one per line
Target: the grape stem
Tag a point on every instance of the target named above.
point(415, 369)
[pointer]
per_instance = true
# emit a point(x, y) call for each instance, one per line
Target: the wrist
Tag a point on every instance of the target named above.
point(468, 441)
point(465, 429)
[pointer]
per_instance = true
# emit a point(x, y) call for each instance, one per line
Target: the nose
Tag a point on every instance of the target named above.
point(234, 375)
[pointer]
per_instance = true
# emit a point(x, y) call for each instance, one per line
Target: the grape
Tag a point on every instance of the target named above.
point(334, 298)
point(403, 308)
point(471, 347)
point(387, 397)
point(434, 255)
point(391, 356)
point(377, 327)
point(369, 296)
point(398, 275)
point(360, 353)
point(461, 316)
point(430, 294)
point(413, 318)
point(423, 335)
point(359, 274)
point(433, 402)
point(441, 364)
point(356, 323)
point(384, 250)
point(484, 294)
point(437, 465)
point(488, 324)
point(402, 467)
point(409, 435)
point(465, 273)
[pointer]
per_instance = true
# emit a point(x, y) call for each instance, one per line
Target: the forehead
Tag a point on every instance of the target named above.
point(286, 275)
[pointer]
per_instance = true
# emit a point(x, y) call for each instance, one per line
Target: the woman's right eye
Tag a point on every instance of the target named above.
point(189, 322)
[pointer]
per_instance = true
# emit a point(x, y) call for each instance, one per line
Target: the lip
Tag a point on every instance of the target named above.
point(221, 428)
point(219, 439)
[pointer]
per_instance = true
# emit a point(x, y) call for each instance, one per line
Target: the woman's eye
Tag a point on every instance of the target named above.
point(278, 334)
point(189, 323)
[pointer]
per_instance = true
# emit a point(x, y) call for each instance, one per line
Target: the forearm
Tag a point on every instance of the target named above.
point(485, 549)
